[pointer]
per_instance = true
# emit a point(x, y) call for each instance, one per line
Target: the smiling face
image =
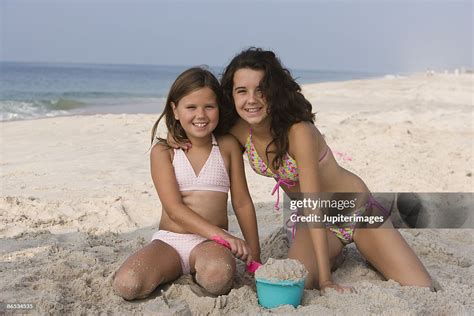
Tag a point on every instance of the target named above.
point(198, 113)
point(248, 97)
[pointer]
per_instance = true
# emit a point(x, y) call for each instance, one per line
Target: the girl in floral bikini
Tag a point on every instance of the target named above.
point(273, 121)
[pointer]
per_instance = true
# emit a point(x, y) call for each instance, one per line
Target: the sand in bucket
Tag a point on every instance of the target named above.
point(280, 282)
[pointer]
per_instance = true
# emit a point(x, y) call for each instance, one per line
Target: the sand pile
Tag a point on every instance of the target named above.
point(277, 270)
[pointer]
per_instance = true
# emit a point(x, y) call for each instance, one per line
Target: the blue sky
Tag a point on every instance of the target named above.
point(358, 35)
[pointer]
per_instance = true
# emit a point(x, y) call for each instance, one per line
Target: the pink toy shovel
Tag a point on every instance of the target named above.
point(251, 267)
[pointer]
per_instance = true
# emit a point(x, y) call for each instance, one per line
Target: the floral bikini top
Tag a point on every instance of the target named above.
point(286, 175)
point(287, 171)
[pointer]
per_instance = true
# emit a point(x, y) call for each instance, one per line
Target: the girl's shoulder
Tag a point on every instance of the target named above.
point(304, 135)
point(161, 151)
point(228, 143)
point(303, 129)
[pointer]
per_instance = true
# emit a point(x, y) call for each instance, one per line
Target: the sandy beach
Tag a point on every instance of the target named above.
point(77, 199)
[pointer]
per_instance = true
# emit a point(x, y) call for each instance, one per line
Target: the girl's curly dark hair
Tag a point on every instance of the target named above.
point(286, 104)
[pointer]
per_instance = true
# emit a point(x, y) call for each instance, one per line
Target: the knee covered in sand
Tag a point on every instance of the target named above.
point(216, 277)
point(128, 284)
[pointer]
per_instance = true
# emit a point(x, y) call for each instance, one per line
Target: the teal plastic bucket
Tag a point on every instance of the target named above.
point(275, 293)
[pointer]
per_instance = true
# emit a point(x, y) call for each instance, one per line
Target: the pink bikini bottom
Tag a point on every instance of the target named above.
point(182, 243)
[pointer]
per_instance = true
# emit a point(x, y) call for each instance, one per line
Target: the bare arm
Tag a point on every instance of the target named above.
point(241, 200)
point(173, 143)
point(306, 154)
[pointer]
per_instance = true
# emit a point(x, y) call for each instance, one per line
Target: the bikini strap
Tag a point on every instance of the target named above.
point(214, 141)
point(373, 202)
point(248, 142)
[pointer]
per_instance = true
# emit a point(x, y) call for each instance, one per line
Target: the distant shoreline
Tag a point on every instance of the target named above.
point(156, 108)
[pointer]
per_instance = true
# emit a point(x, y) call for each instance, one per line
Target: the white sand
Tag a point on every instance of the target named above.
point(77, 199)
point(281, 269)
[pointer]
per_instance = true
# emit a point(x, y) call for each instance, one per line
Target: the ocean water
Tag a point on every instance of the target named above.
point(37, 90)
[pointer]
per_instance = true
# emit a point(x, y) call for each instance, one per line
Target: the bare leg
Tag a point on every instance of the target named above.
point(389, 253)
point(142, 272)
point(214, 266)
point(302, 250)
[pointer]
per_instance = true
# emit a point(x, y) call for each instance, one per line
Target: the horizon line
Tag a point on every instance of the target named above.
point(183, 65)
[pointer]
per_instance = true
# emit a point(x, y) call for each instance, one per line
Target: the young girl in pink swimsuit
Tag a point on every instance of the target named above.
point(193, 188)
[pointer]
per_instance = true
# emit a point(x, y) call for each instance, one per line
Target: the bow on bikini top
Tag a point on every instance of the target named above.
point(286, 175)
